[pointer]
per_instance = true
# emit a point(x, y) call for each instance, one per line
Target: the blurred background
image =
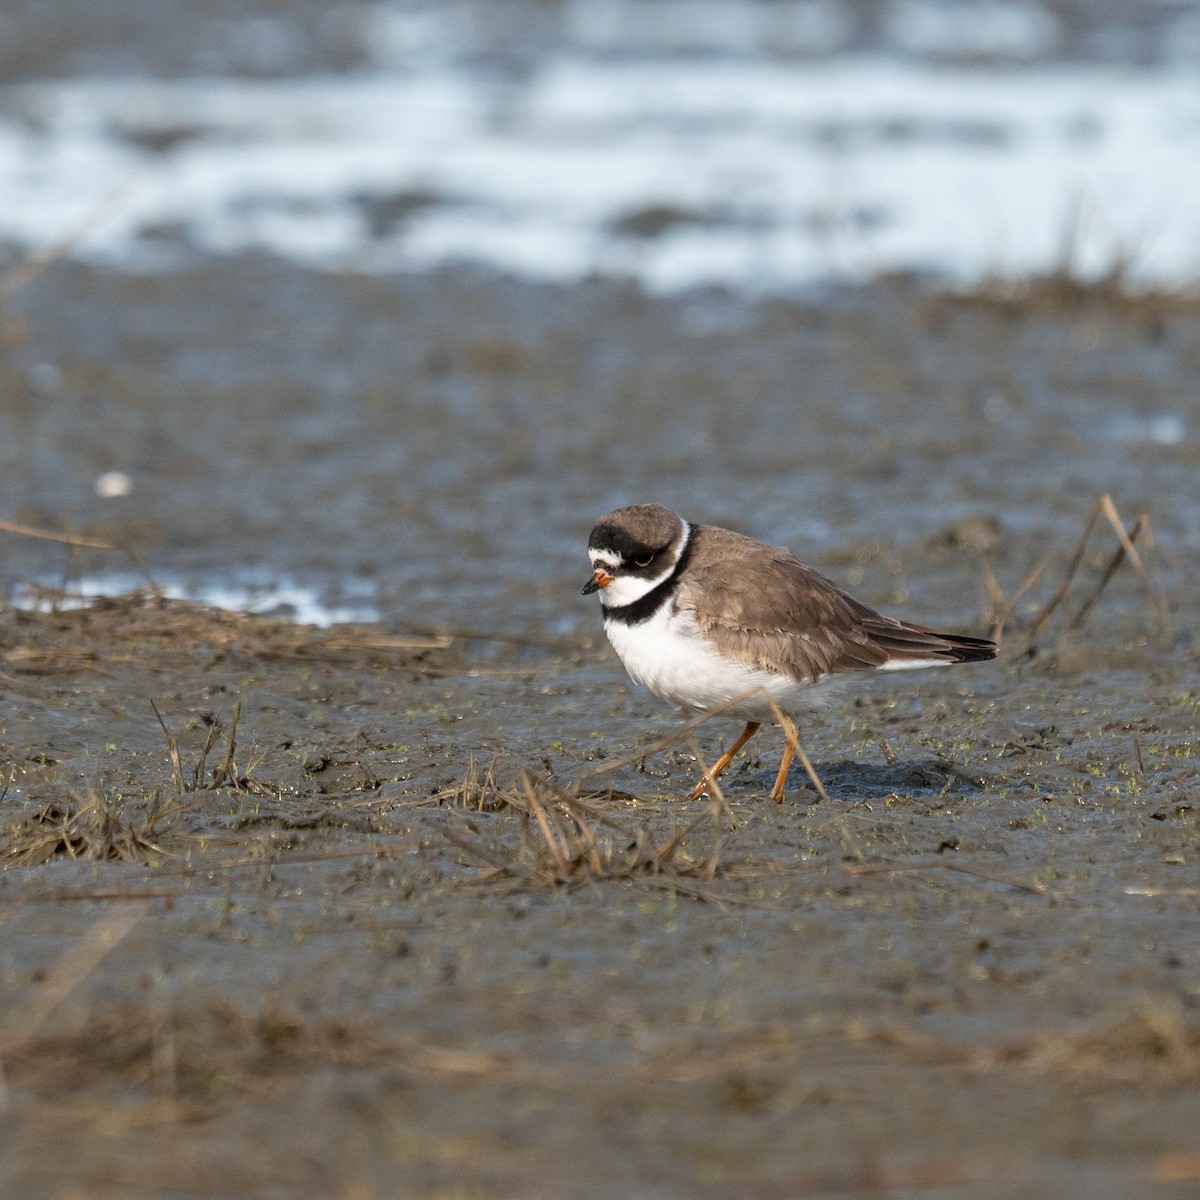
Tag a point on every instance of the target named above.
point(394, 298)
point(370, 310)
point(756, 143)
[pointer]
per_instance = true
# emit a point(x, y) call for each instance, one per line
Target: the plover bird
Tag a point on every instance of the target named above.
point(705, 617)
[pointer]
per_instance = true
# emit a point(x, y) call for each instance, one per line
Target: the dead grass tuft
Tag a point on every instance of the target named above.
point(476, 792)
point(1062, 293)
point(173, 634)
point(222, 775)
point(1139, 532)
point(1065, 291)
point(566, 842)
point(1154, 1045)
point(195, 1054)
point(94, 828)
point(1126, 550)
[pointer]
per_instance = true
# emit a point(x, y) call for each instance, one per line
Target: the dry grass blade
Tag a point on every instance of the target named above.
point(92, 897)
point(1140, 528)
point(557, 851)
point(228, 772)
point(1002, 607)
point(172, 750)
point(1069, 575)
point(23, 274)
point(714, 786)
point(1066, 289)
point(210, 740)
point(49, 535)
point(792, 735)
point(937, 864)
point(63, 978)
point(585, 814)
point(66, 975)
point(1175, 1166)
point(1119, 555)
point(585, 819)
point(1109, 509)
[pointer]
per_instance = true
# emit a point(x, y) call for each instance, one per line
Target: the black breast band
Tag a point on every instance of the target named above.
point(644, 608)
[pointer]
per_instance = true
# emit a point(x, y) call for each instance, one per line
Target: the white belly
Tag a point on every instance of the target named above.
point(670, 656)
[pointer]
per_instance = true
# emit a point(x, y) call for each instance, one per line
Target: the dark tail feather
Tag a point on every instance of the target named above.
point(968, 649)
point(902, 641)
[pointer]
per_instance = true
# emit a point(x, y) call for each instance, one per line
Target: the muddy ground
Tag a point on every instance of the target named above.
point(412, 908)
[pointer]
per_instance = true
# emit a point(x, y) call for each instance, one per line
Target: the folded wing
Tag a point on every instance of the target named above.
point(763, 607)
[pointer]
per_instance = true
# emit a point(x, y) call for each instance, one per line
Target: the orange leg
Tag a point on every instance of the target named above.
point(781, 778)
point(752, 727)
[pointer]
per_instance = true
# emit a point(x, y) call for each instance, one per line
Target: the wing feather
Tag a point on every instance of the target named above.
point(763, 607)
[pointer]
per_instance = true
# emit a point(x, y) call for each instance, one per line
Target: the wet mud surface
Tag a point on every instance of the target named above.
point(412, 908)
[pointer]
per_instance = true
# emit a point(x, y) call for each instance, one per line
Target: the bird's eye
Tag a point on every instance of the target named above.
point(643, 562)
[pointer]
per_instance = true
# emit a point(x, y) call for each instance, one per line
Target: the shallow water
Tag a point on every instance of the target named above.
point(717, 150)
point(279, 597)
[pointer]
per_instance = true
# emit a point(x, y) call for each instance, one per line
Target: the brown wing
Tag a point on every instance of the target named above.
point(765, 608)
